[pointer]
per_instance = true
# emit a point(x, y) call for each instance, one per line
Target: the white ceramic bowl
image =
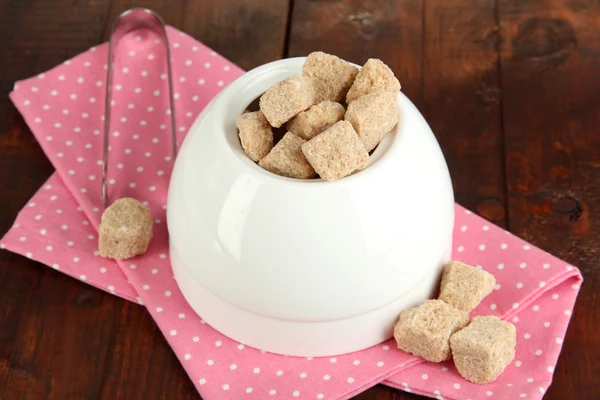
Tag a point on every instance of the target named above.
point(306, 268)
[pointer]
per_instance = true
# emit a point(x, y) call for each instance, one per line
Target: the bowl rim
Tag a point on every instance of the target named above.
point(376, 159)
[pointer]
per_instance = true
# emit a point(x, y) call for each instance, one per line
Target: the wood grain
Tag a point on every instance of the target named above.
point(247, 32)
point(550, 64)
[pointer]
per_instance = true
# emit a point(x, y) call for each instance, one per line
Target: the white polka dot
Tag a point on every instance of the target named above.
point(386, 347)
point(575, 287)
point(29, 255)
point(146, 287)
point(201, 81)
point(225, 387)
point(320, 396)
point(515, 305)
point(82, 277)
point(550, 369)
point(482, 247)
point(163, 256)
point(34, 89)
point(159, 309)
point(567, 312)
point(542, 284)
point(143, 123)
point(138, 90)
point(546, 324)
point(460, 249)
point(497, 287)
point(173, 332)
point(202, 381)
point(55, 266)
point(150, 56)
point(546, 266)
point(326, 377)
point(147, 154)
point(350, 380)
point(152, 188)
point(49, 248)
point(518, 364)
point(519, 285)
point(256, 370)
point(493, 306)
point(22, 239)
point(195, 98)
point(527, 336)
point(522, 395)
point(526, 247)
point(456, 386)
point(500, 266)
point(489, 393)
point(559, 340)
point(132, 266)
point(187, 356)
point(332, 360)
point(75, 259)
point(380, 364)
point(272, 392)
point(535, 308)
point(240, 346)
point(529, 380)
point(249, 390)
point(70, 244)
point(111, 288)
point(424, 376)
point(503, 246)
point(296, 393)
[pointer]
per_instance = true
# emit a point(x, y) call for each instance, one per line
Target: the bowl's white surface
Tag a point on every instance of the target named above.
point(298, 267)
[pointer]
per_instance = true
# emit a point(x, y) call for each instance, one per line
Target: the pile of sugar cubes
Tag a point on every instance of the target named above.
point(322, 136)
point(440, 329)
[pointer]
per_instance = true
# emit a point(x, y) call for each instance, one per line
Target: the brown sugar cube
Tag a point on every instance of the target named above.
point(284, 100)
point(286, 159)
point(373, 76)
point(337, 152)
point(316, 119)
point(482, 350)
point(331, 75)
point(464, 286)
point(373, 116)
point(425, 331)
point(125, 229)
point(255, 134)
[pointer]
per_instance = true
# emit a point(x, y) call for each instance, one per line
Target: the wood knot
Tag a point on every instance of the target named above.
point(492, 210)
point(570, 206)
point(89, 299)
point(365, 23)
point(539, 37)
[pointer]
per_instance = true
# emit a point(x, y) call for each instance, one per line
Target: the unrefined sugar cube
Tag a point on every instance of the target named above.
point(255, 133)
point(316, 119)
point(286, 99)
point(287, 159)
point(125, 229)
point(425, 331)
point(337, 152)
point(373, 116)
point(331, 75)
point(482, 350)
point(373, 76)
point(464, 286)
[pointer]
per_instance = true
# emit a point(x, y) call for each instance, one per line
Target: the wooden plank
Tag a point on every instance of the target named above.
point(37, 353)
point(247, 32)
point(550, 64)
point(462, 100)
point(356, 31)
point(141, 364)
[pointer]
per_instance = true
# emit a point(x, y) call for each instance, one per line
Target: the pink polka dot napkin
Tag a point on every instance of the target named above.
point(58, 227)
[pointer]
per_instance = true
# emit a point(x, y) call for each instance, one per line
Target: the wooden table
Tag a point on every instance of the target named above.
point(510, 87)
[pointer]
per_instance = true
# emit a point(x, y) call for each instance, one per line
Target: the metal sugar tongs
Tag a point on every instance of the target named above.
point(125, 23)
